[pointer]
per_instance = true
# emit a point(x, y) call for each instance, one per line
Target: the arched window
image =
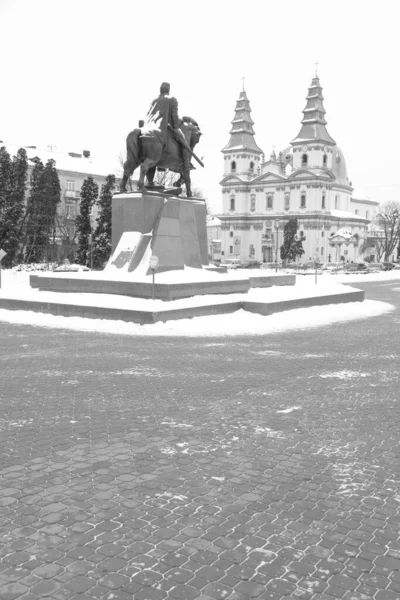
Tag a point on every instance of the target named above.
point(287, 201)
point(270, 201)
point(367, 214)
point(303, 201)
point(253, 202)
point(231, 234)
point(251, 168)
point(232, 205)
point(252, 250)
point(233, 166)
point(323, 201)
point(304, 160)
point(325, 160)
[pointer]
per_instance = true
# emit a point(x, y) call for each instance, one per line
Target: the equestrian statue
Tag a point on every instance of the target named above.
point(163, 141)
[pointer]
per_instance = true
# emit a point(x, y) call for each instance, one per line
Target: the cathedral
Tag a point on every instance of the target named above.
point(308, 180)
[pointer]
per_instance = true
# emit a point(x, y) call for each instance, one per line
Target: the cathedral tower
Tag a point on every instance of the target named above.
point(312, 148)
point(242, 156)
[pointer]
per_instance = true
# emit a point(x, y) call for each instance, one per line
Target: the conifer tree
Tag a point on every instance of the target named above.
point(102, 233)
point(292, 244)
point(12, 217)
point(89, 193)
point(41, 210)
point(5, 191)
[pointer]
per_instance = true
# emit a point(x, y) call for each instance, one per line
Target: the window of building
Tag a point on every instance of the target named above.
point(356, 211)
point(233, 166)
point(70, 211)
point(301, 234)
point(232, 206)
point(323, 201)
point(325, 160)
point(252, 250)
point(322, 251)
point(304, 160)
point(230, 249)
point(70, 186)
point(337, 202)
point(302, 201)
point(253, 202)
point(251, 168)
point(270, 201)
point(322, 233)
point(367, 214)
point(287, 201)
point(231, 234)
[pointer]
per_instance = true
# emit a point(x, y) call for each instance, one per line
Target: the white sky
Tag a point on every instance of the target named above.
point(79, 74)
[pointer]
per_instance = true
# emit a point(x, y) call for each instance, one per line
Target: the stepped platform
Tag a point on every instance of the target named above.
point(141, 310)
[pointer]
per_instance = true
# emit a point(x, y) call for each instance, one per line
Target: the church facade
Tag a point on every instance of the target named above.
point(307, 180)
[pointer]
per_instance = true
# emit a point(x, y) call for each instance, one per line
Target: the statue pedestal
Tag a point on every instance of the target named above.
point(146, 223)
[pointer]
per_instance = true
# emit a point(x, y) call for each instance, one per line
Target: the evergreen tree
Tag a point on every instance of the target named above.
point(41, 210)
point(5, 191)
point(89, 193)
point(102, 234)
point(12, 218)
point(292, 244)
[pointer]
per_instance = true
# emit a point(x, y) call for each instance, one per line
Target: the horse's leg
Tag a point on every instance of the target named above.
point(150, 177)
point(132, 158)
point(186, 172)
point(155, 151)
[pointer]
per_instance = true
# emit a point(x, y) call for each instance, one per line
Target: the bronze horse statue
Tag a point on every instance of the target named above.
point(145, 148)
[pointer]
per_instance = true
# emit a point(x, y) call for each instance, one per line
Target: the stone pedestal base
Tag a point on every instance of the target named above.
point(145, 223)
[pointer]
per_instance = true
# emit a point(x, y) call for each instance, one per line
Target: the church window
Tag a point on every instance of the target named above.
point(323, 201)
point(233, 166)
point(270, 201)
point(230, 249)
point(322, 251)
point(324, 160)
point(287, 201)
point(337, 202)
point(322, 234)
point(252, 250)
point(232, 207)
point(356, 211)
point(367, 214)
point(304, 160)
point(253, 202)
point(302, 201)
point(251, 166)
point(231, 234)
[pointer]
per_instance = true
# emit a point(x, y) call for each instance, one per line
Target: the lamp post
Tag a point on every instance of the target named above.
point(153, 265)
point(90, 244)
point(276, 225)
point(2, 255)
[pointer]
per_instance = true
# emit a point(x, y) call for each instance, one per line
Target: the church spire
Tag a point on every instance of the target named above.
point(313, 123)
point(242, 132)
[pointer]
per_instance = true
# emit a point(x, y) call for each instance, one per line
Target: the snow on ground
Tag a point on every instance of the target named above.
point(16, 284)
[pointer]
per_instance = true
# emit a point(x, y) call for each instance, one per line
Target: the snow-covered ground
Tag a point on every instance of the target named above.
point(16, 284)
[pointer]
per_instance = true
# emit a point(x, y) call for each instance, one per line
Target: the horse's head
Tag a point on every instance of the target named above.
point(191, 131)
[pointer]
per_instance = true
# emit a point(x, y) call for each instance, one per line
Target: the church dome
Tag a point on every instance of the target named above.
point(339, 166)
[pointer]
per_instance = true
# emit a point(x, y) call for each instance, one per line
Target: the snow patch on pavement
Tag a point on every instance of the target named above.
point(289, 410)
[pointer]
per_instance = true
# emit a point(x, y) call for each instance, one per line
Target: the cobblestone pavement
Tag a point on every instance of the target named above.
point(214, 468)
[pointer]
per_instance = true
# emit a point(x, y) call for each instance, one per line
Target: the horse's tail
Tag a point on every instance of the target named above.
point(132, 151)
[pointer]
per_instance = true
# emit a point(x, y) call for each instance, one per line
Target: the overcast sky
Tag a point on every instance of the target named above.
point(79, 74)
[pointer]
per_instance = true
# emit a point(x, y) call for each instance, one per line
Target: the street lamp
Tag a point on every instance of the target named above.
point(153, 265)
point(276, 225)
point(3, 253)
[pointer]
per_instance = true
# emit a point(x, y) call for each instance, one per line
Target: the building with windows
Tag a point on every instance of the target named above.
point(307, 180)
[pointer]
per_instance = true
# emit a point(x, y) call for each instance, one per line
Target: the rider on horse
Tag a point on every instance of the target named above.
point(163, 112)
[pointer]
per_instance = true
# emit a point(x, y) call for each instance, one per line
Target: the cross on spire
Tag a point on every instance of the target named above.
point(243, 84)
point(316, 68)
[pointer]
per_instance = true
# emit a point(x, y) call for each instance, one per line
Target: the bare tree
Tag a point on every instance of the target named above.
point(385, 235)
